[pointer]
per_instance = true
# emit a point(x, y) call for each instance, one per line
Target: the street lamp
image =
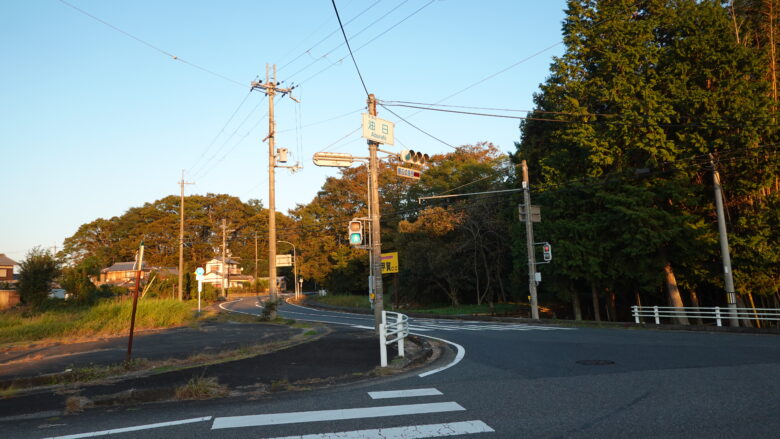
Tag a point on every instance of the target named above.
point(295, 268)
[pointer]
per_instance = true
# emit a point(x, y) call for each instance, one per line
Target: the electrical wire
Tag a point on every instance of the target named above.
point(150, 45)
point(346, 40)
point(418, 128)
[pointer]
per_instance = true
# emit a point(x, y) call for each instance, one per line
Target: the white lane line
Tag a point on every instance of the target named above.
point(409, 393)
point(408, 432)
point(222, 305)
point(333, 415)
point(459, 356)
point(135, 428)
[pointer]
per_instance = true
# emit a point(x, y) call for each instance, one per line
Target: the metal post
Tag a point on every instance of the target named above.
point(717, 316)
point(376, 240)
point(731, 297)
point(529, 232)
point(399, 321)
point(635, 309)
point(655, 314)
point(382, 342)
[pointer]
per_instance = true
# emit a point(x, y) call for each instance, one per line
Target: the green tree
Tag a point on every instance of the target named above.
point(36, 273)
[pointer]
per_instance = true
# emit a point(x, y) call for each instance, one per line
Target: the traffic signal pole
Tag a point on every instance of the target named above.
point(529, 235)
point(376, 243)
point(731, 296)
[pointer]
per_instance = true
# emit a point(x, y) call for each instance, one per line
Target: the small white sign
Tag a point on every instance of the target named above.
point(407, 173)
point(284, 260)
point(378, 130)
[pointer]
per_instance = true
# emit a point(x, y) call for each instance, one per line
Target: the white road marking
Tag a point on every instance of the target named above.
point(408, 432)
point(221, 305)
point(333, 415)
point(409, 393)
point(135, 428)
point(459, 356)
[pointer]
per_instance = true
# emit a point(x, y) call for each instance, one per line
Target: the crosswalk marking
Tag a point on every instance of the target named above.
point(333, 415)
point(409, 393)
point(408, 432)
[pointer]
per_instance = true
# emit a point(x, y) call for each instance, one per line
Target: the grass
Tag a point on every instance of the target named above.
point(345, 300)
point(352, 301)
point(201, 388)
point(104, 319)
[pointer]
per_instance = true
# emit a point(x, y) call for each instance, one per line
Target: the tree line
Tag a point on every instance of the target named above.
point(647, 98)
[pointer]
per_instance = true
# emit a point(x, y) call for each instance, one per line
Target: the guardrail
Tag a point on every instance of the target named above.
point(716, 312)
point(398, 326)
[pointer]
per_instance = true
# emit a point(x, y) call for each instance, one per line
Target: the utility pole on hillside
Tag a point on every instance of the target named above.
point(256, 281)
point(224, 261)
point(376, 236)
point(529, 234)
point(731, 296)
point(270, 87)
point(181, 238)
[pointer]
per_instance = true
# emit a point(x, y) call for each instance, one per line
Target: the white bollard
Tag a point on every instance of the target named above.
point(655, 313)
point(399, 321)
point(383, 345)
point(717, 316)
point(635, 309)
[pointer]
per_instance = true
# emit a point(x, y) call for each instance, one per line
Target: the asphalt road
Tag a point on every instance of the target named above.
point(500, 381)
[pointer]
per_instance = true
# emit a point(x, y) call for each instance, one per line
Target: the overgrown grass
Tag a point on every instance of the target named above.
point(358, 301)
point(105, 318)
point(345, 300)
point(499, 308)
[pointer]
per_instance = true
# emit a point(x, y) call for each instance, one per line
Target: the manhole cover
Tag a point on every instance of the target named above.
point(595, 362)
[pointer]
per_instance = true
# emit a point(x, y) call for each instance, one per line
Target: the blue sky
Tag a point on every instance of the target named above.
point(94, 122)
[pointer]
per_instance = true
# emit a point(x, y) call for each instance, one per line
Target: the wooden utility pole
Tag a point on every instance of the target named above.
point(271, 88)
point(225, 269)
point(139, 269)
point(376, 239)
point(529, 234)
point(181, 238)
point(731, 296)
point(257, 283)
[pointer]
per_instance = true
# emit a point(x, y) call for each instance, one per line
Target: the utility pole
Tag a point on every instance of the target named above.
point(181, 238)
point(731, 296)
point(376, 240)
point(529, 235)
point(224, 261)
point(271, 88)
point(256, 281)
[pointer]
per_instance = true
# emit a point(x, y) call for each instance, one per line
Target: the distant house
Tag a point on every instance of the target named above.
point(7, 268)
point(123, 273)
point(226, 273)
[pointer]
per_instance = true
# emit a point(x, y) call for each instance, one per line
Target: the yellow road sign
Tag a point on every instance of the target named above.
point(389, 262)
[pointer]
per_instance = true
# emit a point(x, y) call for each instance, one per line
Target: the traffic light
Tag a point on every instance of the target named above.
point(414, 157)
point(355, 229)
point(547, 252)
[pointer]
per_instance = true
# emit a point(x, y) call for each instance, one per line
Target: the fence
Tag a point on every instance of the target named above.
point(397, 326)
point(717, 313)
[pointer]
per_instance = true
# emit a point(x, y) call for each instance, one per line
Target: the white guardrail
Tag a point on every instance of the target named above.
point(716, 312)
point(393, 325)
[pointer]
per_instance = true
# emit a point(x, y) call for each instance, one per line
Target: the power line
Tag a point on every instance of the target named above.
point(150, 45)
point(346, 40)
point(208, 147)
point(418, 128)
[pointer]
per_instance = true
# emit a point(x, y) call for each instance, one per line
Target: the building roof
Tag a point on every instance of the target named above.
point(229, 261)
point(5, 260)
point(122, 266)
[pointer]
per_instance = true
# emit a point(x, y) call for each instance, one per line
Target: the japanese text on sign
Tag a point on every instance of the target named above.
point(378, 130)
point(389, 262)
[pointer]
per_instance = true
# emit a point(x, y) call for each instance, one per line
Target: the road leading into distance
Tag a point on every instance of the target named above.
point(500, 381)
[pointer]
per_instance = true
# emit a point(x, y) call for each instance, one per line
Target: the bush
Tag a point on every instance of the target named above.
point(36, 274)
point(269, 310)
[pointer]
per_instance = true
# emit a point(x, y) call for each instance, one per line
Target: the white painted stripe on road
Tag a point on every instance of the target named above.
point(135, 428)
point(409, 393)
point(222, 305)
point(333, 415)
point(408, 432)
point(459, 356)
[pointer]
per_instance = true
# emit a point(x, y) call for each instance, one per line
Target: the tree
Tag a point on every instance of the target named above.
point(36, 273)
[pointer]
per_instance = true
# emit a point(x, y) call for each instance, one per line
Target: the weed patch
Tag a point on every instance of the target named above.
point(201, 388)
